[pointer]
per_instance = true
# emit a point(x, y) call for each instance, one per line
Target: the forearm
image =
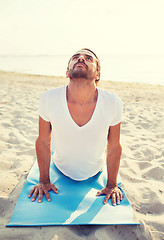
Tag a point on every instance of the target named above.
point(113, 163)
point(43, 152)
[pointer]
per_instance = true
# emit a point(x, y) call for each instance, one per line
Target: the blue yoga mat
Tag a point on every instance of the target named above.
point(76, 203)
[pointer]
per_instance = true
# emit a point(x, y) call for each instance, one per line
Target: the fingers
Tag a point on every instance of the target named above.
point(107, 198)
point(118, 198)
point(114, 193)
point(114, 196)
point(40, 190)
point(101, 192)
point(114, 199)
point(54, 189)
point(121, 196)
point(31, 192)
point(47, 195)
point(35, 194)
point(36, 191)
point(40, 195)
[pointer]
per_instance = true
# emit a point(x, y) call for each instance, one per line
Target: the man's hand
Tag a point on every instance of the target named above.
point(111, 192)
point(40, 189)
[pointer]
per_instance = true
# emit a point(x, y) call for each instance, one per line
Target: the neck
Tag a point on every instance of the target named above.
point(81, 93)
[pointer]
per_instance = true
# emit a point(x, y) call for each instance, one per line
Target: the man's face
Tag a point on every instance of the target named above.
point(82, 65)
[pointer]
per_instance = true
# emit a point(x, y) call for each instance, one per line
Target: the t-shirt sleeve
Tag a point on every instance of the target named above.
point(118, 111)
point(43, 106)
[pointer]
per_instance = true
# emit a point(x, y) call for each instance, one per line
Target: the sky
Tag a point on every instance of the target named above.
point(34, 27)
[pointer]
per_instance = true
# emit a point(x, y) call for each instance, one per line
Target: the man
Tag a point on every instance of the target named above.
point(84, 122)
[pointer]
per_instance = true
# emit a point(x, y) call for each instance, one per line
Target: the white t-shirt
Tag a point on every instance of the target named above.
point(79, 151)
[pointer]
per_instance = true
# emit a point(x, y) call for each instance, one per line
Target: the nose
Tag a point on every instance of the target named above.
point(81, 58)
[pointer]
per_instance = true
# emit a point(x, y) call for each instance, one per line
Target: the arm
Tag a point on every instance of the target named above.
point(114, 151)
point(113, 157)
point(43, 151)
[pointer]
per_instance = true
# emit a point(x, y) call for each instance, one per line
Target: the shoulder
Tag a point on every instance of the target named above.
point(52, 93)
point(109, 97)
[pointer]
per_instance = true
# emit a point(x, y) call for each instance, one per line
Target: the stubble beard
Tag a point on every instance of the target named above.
point(80, 74)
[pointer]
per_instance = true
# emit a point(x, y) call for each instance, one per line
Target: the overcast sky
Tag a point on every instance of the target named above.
point(64, 26)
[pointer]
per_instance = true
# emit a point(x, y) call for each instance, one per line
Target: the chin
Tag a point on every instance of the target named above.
point(79, 75)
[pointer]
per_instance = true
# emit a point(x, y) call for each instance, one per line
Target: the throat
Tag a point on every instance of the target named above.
point(81, 95)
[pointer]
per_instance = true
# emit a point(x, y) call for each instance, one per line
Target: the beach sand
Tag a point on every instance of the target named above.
point(142, 162)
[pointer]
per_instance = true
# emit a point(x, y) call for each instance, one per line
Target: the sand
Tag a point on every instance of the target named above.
point(142, 163)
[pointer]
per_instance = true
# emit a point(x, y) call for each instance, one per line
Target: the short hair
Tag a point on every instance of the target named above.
point(98, 61)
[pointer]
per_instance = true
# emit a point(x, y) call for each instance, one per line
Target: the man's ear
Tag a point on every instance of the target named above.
point(98, 75)
point(67, 75)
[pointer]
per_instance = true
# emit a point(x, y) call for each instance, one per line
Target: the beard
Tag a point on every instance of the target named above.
point(78, 73)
